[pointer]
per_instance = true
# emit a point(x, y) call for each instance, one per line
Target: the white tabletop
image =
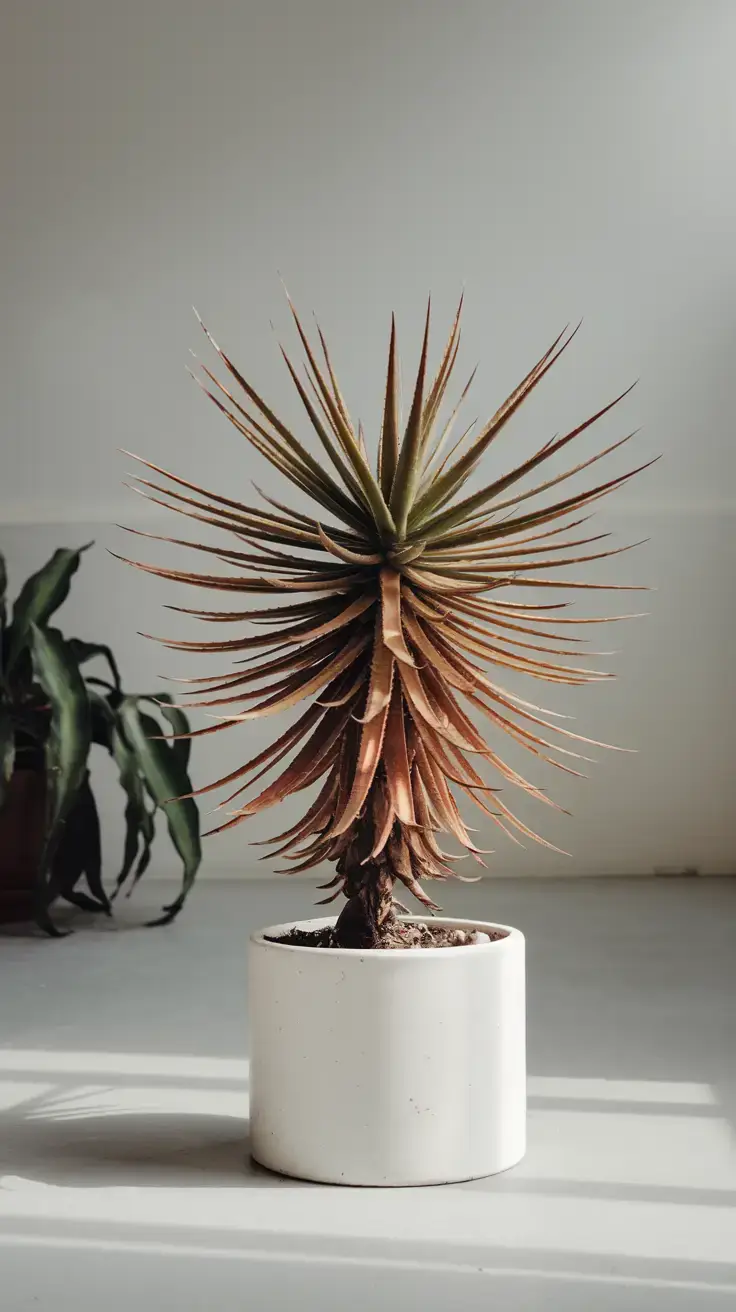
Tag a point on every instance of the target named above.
point(124, 1168)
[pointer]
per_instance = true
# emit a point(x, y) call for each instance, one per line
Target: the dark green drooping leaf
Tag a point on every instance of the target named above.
point(131, 784)
point(7, 750)
point(103, 719)
point(167, 782)
point(178, 721)
point(86, 651)
point(139, 821)
point(39, 597)
point(148, 833)
point(140, 828)
point(79, 853)
point(68, 743)
point(70, 735)
point(91, 842)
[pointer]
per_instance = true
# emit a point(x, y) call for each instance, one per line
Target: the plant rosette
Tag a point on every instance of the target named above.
point(379, 612)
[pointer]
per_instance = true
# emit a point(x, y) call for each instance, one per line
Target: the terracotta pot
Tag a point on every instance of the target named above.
point(21, 837)
point(387, 1067)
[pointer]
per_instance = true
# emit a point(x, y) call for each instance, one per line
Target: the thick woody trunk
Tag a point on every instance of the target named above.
point(368, 912)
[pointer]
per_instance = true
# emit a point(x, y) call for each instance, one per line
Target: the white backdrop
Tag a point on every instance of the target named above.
point(559, 159)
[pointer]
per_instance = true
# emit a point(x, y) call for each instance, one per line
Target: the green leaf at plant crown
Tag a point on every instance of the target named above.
point(168, 783)
point(39, 597)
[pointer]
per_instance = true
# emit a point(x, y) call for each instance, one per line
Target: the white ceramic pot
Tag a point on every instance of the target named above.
point(388, 1067)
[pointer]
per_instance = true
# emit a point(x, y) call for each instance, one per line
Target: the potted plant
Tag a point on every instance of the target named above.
point(386, 1049)
point(50, 716)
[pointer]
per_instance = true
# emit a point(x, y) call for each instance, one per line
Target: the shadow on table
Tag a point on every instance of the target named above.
point(96, 1193)
point(143, 1150)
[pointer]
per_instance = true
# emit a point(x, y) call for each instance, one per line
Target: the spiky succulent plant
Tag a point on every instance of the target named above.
point(400, 629)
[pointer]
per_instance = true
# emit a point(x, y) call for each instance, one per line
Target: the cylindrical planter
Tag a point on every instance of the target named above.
point(395, 1067)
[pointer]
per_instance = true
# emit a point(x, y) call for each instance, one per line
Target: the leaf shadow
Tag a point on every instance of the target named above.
point(142, 1149)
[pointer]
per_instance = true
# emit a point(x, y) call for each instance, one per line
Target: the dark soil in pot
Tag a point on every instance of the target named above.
point(402, 934)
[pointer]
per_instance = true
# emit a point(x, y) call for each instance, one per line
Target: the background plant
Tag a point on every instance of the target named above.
point(51, 714)
point(400, 618)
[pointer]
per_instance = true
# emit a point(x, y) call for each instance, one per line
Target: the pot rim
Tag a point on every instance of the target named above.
point(511, 936)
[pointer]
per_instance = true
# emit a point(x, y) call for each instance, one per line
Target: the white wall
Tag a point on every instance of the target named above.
point(559, 158)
